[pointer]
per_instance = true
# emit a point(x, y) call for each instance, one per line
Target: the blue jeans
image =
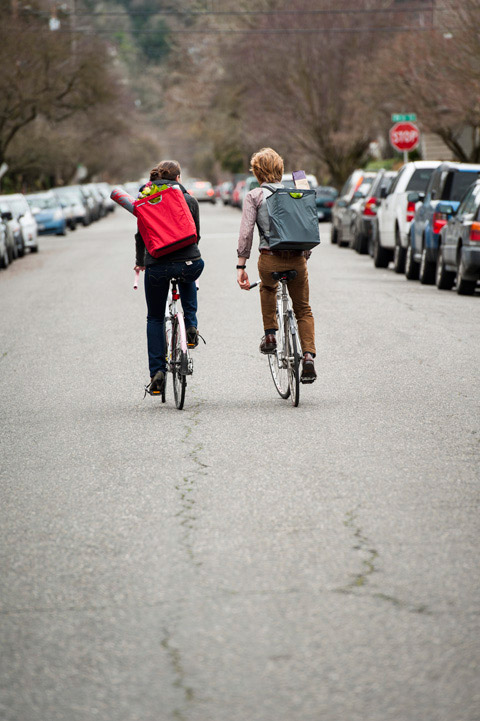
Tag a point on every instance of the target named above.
point(157, 283)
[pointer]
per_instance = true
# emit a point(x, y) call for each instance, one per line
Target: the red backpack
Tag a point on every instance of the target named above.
point(167, 224)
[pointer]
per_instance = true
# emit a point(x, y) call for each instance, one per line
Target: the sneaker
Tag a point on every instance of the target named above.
point(268, 344)
point(192, 337)
point(157, 383)
point(308, 369)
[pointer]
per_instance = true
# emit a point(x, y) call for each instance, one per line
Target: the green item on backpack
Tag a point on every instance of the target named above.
point(293, 219)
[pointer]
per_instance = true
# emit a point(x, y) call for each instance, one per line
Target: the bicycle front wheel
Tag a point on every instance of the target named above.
point(178, 363)
point(278, 362)
point(293, 360)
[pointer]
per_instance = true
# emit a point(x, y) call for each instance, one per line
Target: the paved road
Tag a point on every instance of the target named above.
point(240, 560)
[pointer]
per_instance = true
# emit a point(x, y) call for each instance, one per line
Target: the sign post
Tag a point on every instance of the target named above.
point(404, 135)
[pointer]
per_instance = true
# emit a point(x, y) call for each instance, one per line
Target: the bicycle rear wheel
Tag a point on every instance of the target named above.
point(278, 363)
point(178, 363)
point(293, 360)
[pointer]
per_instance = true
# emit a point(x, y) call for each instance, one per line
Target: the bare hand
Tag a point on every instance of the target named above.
point(138, 268)
point(242, 279)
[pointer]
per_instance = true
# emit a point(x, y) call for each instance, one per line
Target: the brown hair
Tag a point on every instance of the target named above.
point(267, 166)
point(167, 169)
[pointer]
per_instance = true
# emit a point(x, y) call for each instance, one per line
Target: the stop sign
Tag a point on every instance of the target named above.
point(404, 136)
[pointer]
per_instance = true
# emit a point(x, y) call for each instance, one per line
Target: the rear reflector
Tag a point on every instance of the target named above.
point(439, 220)
point(370, 207)
point(410, 212)
point(475, 232)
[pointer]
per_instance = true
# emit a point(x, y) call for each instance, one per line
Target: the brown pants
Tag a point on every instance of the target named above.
point(298, 290)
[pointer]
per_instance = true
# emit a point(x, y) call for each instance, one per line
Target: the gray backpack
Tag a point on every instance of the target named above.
point(293, 219)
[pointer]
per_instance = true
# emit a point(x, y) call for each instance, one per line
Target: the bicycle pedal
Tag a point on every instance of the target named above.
point(307, 380)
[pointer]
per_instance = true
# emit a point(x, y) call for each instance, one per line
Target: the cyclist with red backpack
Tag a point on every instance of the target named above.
point(181, 261)
point(267, 166)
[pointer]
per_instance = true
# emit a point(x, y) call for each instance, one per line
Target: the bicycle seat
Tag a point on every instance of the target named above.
point(284, 275)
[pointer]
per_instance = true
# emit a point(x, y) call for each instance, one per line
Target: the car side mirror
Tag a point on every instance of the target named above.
point(342, 203)
point(383, 193)
point(7, 215)
point(415, 197)
point(445, 208)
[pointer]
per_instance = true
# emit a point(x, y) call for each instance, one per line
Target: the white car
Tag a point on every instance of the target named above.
point(21, 212)
point(395, 214)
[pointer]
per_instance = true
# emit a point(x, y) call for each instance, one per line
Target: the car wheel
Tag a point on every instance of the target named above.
point(340, 242)
point(465, 286)
point(4, 260)
point(411, 265)
point(381, 256)
point(361, 244)
point(21, 250)
point(334, 235)
point(352, 243)
point(426, 272)
point(34, 249)
point(398, 254)
point(444, 279)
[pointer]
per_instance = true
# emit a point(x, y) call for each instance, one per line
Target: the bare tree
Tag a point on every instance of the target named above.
point(45, 78)
point(434, 73)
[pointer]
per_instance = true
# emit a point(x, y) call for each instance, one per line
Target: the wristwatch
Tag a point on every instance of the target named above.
point(241, 267)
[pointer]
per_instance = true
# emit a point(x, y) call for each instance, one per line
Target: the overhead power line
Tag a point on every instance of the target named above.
point(268, 31)
point(240, 13)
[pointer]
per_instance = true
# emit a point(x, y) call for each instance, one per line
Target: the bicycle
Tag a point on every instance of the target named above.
point(179, 362)
point(285, 360)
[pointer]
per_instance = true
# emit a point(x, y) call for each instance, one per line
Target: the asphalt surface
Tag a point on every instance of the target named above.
point(239, 560)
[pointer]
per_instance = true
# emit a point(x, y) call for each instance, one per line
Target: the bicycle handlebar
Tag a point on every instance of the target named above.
point(254, 285)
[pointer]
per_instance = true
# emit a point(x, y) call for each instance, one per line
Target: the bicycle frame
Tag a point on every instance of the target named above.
point(174, 313)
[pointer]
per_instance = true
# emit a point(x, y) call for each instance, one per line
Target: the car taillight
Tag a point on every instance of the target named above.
point(370, 207)
point(210, 192)
point(410, 212)
point(328, 204)
point(439, 220)
point(475, 232)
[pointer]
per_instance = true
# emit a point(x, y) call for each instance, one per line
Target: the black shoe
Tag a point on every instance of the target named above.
point(308, 369)
point(157, 384)
point(192, 337)
point(268, 344)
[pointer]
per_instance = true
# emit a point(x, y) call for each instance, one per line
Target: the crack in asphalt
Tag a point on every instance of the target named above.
point(361, 581)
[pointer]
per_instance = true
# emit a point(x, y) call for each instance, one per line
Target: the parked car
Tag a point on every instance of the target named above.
point(70, 196)
point(28, 226)
point(448, 182)
point(226, 189)
point(395, 214)
point(202, 190)
point(236, 194)
point(14, 238)
point(98, 198)
point(347, 204)
point(68, 210)
point(325, 196)
point(105, 190)
point(366, 216)
point(48, 213)
point(458, 258)
point(250, 183)
point(4, 254)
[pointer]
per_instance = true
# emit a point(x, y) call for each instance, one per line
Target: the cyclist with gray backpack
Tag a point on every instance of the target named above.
point(288, 228)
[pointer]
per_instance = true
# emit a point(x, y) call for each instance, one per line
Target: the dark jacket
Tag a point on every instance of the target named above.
point(190, 252)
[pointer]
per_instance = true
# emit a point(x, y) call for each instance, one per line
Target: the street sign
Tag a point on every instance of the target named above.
point(404, 136)
point(400, 118)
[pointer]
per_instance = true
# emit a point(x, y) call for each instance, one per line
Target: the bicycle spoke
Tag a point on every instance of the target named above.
point(178, 363)
point(278, 363)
